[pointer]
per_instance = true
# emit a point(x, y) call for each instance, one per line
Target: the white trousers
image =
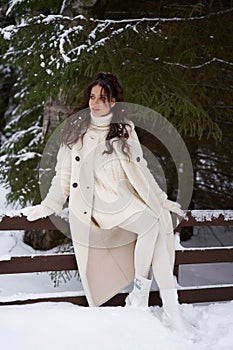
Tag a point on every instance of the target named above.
point(150, 249)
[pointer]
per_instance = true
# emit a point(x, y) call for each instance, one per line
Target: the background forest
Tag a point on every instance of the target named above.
point(174, 57)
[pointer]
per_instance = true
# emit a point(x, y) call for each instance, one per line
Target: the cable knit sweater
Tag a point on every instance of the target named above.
point(115, 199)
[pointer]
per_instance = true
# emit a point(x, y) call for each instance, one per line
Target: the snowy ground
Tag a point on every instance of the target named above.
point(62, 326)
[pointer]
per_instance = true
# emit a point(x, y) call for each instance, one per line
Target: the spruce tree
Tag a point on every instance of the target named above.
point(176, 61)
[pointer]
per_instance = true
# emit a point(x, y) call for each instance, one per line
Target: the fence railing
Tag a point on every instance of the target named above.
point(64, 262)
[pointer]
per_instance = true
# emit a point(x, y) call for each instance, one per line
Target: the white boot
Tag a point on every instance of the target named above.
point(140, 293)
point(171, 314)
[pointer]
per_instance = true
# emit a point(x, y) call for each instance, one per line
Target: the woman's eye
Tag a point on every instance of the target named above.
point(91, 97)
point(103, 98)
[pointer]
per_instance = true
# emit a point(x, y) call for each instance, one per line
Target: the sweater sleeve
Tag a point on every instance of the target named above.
point(60, 185)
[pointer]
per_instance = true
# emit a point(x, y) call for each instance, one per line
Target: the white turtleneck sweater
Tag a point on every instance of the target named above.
point(114, 197)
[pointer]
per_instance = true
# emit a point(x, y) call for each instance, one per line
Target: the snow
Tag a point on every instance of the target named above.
point(63, 325)
point(64, 214)
point(207, 215)
point(64, 37)
point(17, 136)
point(23, 157)
point(33, 296)
point(214, 59)
point(68, 55)
point(8, 32)
point(12, 4)
point(11, 213)
point(49, 71)
point(63, 6)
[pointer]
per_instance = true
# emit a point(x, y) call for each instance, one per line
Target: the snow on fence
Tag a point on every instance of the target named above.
point(63, 262)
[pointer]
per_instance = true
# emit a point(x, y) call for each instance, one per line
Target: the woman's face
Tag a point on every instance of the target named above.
point(98, 102)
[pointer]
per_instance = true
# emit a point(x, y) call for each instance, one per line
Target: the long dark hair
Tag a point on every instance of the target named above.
point(79, 119)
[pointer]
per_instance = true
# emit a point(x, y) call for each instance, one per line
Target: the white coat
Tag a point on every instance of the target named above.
point(104, 257)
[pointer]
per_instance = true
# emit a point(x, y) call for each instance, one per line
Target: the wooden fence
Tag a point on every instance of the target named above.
point(63, 262)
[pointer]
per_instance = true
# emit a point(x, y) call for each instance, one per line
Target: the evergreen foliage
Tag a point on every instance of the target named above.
point(178, 64)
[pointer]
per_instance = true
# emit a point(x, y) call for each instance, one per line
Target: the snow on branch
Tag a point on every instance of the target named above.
point(73, 36)
point(8, 31)
point(64, 37)
point(12, 4)
point(17, 136)
point(26, 156)
point(162, 19)
point(94, 40)
point(63, 6)
point(214, 59)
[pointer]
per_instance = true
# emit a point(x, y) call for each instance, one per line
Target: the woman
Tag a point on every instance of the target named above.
point(113, 198)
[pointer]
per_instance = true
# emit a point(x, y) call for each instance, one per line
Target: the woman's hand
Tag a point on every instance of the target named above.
point(36, 212)
point(173, 207)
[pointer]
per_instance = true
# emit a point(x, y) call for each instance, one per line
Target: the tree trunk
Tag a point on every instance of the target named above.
point(55, 111)
point(72, 8)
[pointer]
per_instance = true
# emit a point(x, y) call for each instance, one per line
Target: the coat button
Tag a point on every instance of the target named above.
point(85, 212)
point(138, 159)
point(75, 184)
point(77, 158)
